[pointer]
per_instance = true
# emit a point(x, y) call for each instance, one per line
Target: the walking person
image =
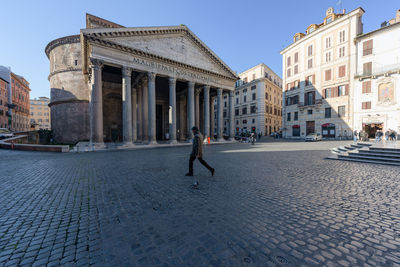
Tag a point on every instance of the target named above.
point(197, 152)
point(355, 136)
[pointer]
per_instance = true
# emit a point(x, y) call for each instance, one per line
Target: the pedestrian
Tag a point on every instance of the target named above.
point(387, 135)
point(355, 136)
point(253, 138)
point(197, 152)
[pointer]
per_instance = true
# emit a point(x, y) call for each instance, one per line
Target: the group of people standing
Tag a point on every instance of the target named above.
point(389, 135)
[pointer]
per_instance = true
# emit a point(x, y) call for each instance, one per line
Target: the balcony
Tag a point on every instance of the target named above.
point(318, 102)
point(378, 71)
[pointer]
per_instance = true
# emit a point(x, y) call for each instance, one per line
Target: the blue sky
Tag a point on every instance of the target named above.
point(241, 33)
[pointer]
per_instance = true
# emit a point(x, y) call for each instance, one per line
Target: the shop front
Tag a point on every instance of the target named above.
point(328, 130)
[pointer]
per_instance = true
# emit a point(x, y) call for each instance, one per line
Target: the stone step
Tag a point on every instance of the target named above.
point(384, 149)
point(378, 154)
point(364, 144)
point(382, 162)
point(350, 147)
point(370, 158)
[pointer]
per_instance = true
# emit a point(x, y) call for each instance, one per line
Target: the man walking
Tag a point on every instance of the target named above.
point(197, 152)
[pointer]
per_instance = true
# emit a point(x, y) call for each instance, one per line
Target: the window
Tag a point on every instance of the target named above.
point(367, 47)
point(76, 62)
point(236, 112)
point(253, 97)
point(288, 72)
point(254, 87)
point(328, 42)
point(253, 109)
point(342, 51)
point(366, 105)
point(341, 111)
point(329, 20)
point(31, 113)
point(310, 50)
point(237, 101)
point(296, 69)
point(342, 71)
point(244, 121)
point(289, 61)
point(342, 36)
point(296, 116)
point(327, 112)
point(253, 120)
point(328, 57)
point(225, 104)
point(266, 96)
point(296, 57)
point(327, 93)
point(244, 111)
point(328, 75)
point(288, 116)
point(342, 90)
point(237, 121)
point(309, 112)
point(367, 68)
point(310, 80)
point(244, 99)
point(366, 87)
point(310, 63)
point(224, 114)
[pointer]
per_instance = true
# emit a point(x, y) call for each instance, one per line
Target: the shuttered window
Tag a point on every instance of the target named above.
point(367, 68)
point(367, 47)
point(366, 105)
point(328, 75)
point(342, 71)
point(366, 87)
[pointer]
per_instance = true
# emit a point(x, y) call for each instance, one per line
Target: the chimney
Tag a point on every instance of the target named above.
point(398, 16)
point(344, 11)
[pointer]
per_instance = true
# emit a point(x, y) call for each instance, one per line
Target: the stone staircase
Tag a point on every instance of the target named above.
point(368, 153)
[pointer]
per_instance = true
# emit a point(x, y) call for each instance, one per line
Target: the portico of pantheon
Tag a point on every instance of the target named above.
point(136, 85)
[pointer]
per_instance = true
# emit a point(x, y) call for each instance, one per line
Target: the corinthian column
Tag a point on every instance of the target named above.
point(219, 115)
point(152, 107)
point(145, 111)
point(197, 108)
point(126, 106)
point(190, 109)
point(206, 111)
point(231, 116)
point(212, 118)
point(134, 114)
point(139, 112)
point(172, 106)
point(96, 104)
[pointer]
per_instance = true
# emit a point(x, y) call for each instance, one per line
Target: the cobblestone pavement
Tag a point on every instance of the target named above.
point(271, 204)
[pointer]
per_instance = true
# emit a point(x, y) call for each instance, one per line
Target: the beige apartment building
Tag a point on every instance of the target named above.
point(318, 69)
point(40, 113)
point(258, 101)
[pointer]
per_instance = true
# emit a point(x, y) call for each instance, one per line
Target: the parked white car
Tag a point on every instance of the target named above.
point(314, 137)
point(5, 133)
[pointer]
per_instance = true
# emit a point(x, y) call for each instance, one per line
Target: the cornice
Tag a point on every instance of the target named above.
point(53, 103)
point(63, 70)
point(119, 47)
point(103, 22)
point(61, 41)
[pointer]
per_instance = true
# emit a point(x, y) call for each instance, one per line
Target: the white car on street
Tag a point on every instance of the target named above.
point(5, 133)
point(314, 137)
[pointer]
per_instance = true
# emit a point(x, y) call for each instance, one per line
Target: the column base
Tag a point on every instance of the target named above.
point(173, 142)
point(127, 145)
point(220, 139)
point(96, 146)
point(152, 142)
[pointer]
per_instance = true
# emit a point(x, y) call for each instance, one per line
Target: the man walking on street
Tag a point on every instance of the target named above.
point(197, 152)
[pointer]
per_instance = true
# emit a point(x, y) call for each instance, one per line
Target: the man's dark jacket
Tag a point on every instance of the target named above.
point(197, 150)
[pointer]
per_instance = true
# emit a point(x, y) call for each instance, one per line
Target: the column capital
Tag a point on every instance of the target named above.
point(191, 84)
point(231, 93)
point(172, 80)
point(126, 71)
point(151, 76)
point(134, 89)
point(96, 63)
point(206, 87)
point(219, 91)
point(197, 91)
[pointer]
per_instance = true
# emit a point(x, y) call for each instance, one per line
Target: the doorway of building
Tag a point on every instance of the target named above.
point(310, 127)
point(159, 122)
point(372, 128)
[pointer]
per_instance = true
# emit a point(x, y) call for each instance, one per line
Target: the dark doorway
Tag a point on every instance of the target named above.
point(310, 127)
point(372, 128)
point(159, 122)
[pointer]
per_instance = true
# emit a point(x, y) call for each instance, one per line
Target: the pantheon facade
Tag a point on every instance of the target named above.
point(146, 85)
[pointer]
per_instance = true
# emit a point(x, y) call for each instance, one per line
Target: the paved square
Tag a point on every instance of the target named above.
point(272, 204)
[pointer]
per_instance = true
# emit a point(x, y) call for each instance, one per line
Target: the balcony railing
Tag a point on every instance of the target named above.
point(377, 71)
point(317, 102)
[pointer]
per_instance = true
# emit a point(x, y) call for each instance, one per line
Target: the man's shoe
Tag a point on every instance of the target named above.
point(189, 174)
point(212, 171)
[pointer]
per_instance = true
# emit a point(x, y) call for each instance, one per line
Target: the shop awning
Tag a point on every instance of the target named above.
point(328, 125)
point(296, 126)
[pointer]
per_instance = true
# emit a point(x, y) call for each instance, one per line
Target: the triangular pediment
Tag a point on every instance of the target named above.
point(175, 43)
